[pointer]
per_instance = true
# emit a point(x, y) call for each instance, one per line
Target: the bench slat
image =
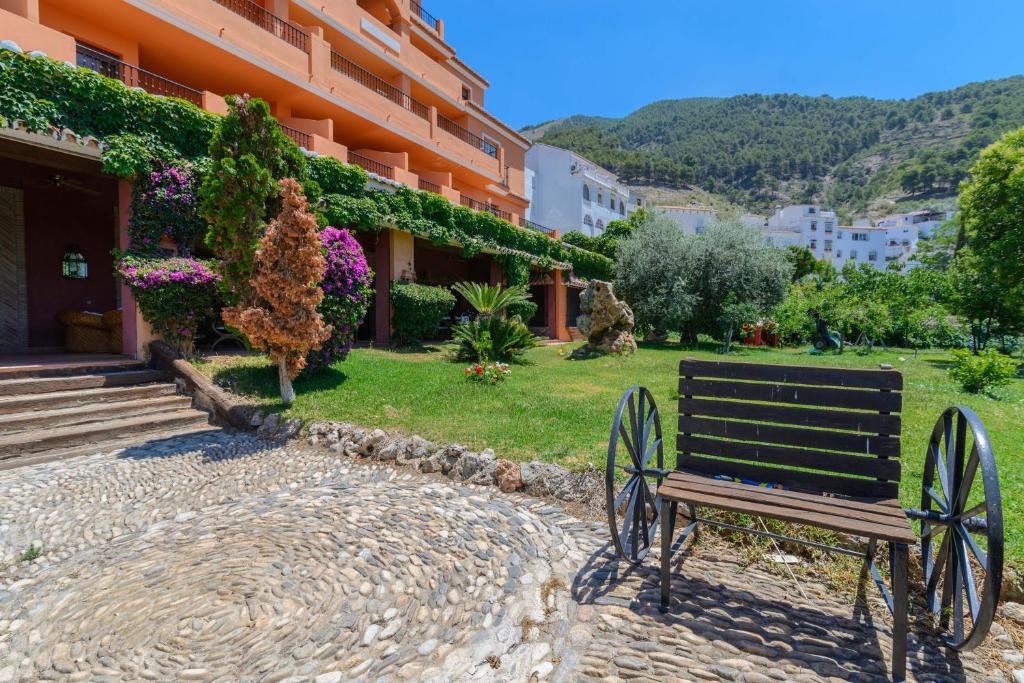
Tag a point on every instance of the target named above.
point(866, 466)
point(869, 512)
point(861, 444)
point(832, 377)
point(872, 423)
point(880, 401)
point(776, 510)
point(813, 481)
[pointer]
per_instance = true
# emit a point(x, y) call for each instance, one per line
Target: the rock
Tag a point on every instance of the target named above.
point(371, 442)
point(290, 429)
point(416, 448)
point(1014, 611)
point(268, 428)
point(476, 468)
point(508, 476)
point(607, 322)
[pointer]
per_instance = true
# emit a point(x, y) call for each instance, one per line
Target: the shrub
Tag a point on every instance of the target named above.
point(490, 300)
point(174, 294)
point(165, 202)
point(417, 311)
point(982, 372)
point(347, 292)
point(488, 373)
point(524, 311)
point(493, 339)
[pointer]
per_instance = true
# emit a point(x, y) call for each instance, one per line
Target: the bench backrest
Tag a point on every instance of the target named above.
point(826, 430)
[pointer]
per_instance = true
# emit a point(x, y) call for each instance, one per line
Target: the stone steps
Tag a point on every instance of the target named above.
point(43, 366)
point(575, 335)
point(71, 409)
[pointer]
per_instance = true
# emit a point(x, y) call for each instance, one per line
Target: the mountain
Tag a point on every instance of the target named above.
point(856, 154)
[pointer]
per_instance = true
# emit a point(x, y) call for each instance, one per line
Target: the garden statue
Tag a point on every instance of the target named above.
point(607, 322)
point(823, 338)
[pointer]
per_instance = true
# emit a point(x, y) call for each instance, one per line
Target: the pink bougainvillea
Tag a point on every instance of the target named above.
point(347, 289)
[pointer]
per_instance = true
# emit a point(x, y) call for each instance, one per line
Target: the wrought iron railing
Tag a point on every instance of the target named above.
point(535, 226)
point(466, 136)
point(304, 140)
point(483, 206)
point(417, 10)
point(383, 170)
point(370, 80)
point(268, 21)
point(135, 77)
point(428, 186)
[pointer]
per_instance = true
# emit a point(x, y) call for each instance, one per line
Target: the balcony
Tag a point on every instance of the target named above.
point(452, 128)
point(481, 206)
point(303, 140)
point(428, 186)
point(371, 81)
point(530, 225)
point(269, 22)
point(383, 170)
point(425, 16)
point(134, 77)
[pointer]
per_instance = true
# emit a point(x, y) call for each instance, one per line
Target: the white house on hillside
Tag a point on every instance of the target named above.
point(925, 221)
point(568, 192)
point(691, 219)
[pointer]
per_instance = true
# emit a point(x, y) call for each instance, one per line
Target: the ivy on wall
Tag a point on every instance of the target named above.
point(141, 129)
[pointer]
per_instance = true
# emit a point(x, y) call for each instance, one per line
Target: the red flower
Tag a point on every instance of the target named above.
point(479, 370)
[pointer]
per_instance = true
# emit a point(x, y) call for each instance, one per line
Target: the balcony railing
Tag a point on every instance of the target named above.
point(269, 22)
point(348, 68)
point(304, 140)
point(383, 170)
point(534, 226)
point(417, 10)
point(428, 186)
point(134, 77)
point(463, 134)
point(482, 206)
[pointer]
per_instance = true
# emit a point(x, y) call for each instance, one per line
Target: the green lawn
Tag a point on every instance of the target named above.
point(560, 410)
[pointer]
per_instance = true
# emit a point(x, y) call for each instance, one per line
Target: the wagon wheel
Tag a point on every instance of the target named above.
point(961, 528)
point(633, 507)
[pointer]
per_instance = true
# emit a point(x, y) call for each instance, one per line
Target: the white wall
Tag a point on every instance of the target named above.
point(691, 220)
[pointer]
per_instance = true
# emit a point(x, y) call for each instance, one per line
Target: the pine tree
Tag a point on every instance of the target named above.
point(286, 269)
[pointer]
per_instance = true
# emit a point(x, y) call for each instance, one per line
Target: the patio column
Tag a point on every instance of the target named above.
point(557, 301)
point(129, 316)
point(496, 273)
point(382, 286)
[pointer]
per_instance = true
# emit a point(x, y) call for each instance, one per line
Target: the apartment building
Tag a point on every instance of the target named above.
point(568, 192)
point(808, 226)
point(691, 218)
point(370, 82)
point(926, 221)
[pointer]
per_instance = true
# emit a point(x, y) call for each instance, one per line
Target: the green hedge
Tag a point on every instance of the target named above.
point(140, 127)
point(525, 311)
point(417, 311)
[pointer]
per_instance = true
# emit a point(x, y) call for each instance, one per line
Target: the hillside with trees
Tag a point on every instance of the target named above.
point(853, 153)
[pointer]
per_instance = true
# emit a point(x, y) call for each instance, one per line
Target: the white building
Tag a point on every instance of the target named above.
point(568, 192)
point(926, 221)
point(691, 219)
point(808, 226)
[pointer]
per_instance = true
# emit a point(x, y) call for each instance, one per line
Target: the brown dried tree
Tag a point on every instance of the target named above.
point(287, 267)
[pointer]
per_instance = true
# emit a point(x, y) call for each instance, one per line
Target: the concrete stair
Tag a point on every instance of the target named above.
point(62, 412)
point(575, 335)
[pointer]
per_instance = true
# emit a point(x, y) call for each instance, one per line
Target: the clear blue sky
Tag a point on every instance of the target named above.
point(551, 58)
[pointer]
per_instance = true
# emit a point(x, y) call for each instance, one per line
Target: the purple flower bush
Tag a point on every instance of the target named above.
point(165, 203)
point(347, 290)
point(174, 294)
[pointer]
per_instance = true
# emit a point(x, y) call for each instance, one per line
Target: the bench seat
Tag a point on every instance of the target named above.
point(881, 519)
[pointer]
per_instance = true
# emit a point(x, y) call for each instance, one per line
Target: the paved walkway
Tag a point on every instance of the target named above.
point(218, 557)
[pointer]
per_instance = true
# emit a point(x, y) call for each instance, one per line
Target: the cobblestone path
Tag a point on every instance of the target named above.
point(221, 557)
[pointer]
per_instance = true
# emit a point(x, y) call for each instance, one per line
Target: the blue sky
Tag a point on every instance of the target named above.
point(550, 58)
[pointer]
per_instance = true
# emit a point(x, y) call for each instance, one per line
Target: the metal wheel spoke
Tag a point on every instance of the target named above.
point(642, 512)
point(629, 447)
point(651, 450)
point(627, 489)
point(632, 423)
point(938, 564)
point(958, 605)
point(933, 494)
point(931, 531)
point(970, 469)
point(967, 578)
point(648, 424)
point(972, 545)
point(973, 512)
point(940, 467)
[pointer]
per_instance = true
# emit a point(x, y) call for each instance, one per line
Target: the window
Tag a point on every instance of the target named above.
point(828, 245)
point(466, 93)
point(853, 254)
point(638, 201)
point(839, 253)
point(587, 220)
point(622, 208)
point(814, 244)
point(586, 192)
point(860, 237)
point(872, 256)
point(810, 209)
point(611, 203)
point(600, 224)
point(839, 234)
point(814, 226)
point(828, 225)
point(600, 197)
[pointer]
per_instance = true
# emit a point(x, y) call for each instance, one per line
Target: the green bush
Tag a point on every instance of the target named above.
point(982, 372)
point(417, 311)
point(493, 338)
point(524, 311)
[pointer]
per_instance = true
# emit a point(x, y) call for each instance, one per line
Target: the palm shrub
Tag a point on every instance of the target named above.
point(493, 336)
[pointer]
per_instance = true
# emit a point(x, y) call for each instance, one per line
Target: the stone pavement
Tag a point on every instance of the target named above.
point(223, 557)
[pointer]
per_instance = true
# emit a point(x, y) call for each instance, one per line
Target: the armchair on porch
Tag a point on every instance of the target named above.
point(87, 332)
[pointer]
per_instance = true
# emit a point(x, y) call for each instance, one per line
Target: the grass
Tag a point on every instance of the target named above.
point(558, 410)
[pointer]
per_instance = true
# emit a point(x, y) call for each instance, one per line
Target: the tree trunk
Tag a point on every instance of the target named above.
point(287, 390)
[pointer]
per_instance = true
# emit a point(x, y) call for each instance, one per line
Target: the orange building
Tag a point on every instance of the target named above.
point(370, 82)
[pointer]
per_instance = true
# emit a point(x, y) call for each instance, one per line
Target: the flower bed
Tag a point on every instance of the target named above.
point(488, 373)
point(174, 294)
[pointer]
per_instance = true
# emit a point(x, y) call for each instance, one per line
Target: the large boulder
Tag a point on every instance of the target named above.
point(607, 322)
